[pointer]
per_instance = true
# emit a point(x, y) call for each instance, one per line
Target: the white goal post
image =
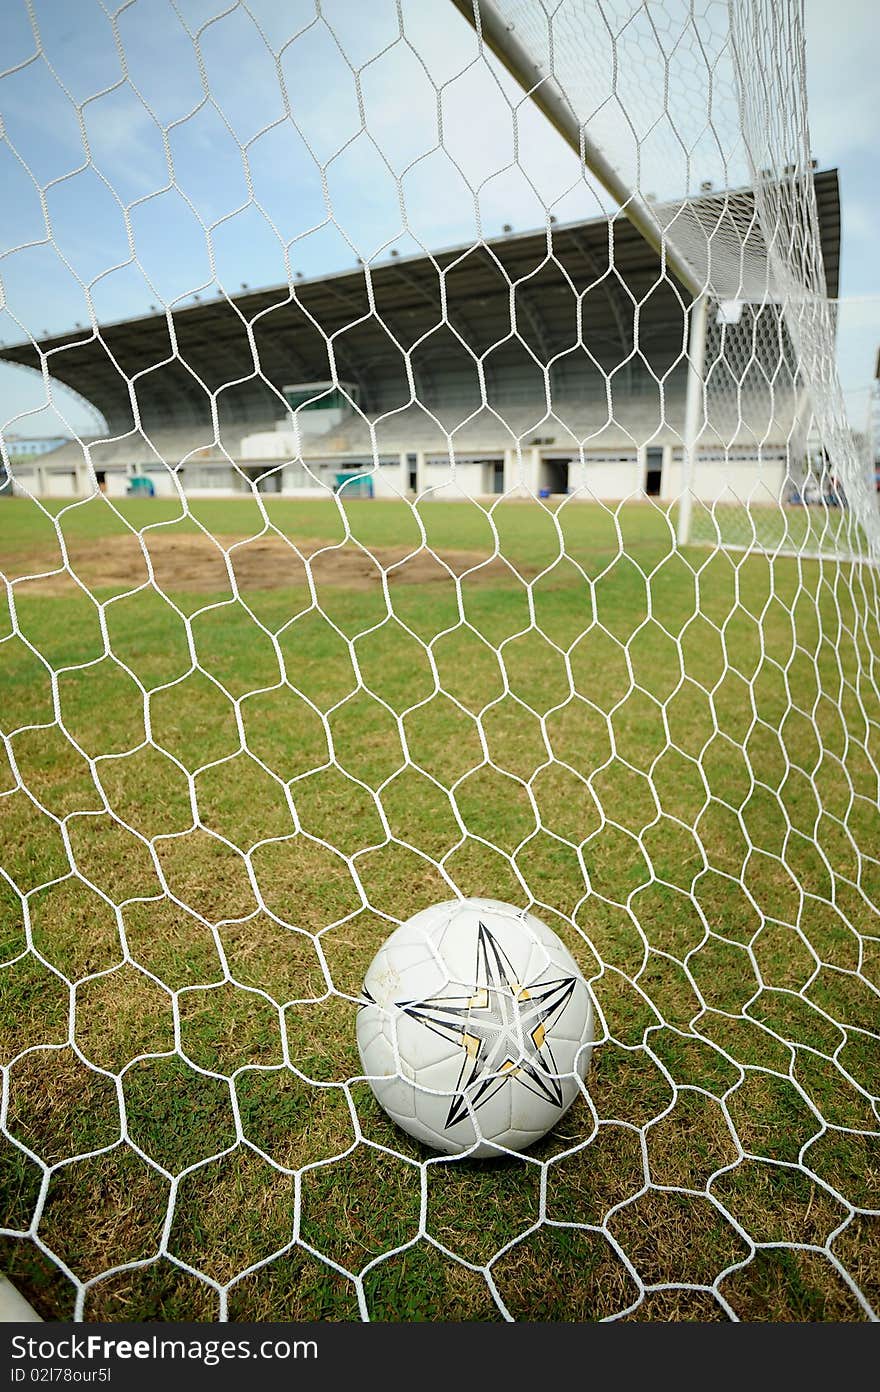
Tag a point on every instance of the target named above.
point(539, 83)
point(473, 512)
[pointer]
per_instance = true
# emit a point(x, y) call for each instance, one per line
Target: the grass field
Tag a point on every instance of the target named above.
point(219, 805)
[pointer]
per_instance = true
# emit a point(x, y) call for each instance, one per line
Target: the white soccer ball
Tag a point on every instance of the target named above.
point(475, 1028)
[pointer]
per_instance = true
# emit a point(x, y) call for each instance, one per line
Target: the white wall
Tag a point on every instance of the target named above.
point(116, 482)
point(522, 471)
point(25, 480)
point(317, 421)
point(390, 480)
point(60, 483)
point(748, 479)
point(610, 479)
point(472, 476)
point(297, 483)
point(609, 475)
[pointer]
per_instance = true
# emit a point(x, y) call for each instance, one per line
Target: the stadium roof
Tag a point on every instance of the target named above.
point(248, 347)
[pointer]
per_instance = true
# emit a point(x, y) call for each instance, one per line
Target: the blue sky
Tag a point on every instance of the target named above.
point(843, 47)
point(223, 223)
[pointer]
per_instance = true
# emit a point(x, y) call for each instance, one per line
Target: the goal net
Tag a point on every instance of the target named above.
point(467, 507)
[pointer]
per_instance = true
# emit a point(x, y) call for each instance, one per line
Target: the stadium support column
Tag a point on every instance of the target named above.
point(533, 468)
point(797, 464)
point(511, 478)
point(692, 414)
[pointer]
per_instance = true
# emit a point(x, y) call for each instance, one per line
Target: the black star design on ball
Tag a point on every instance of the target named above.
point(501, 1025)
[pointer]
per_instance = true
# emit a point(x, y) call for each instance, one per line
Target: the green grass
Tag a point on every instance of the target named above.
point(818, 530)
point(672, 757)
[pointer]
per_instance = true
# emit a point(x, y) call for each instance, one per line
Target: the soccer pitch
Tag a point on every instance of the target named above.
point(554, 708)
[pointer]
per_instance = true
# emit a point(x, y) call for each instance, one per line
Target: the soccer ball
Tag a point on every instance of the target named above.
point(476, 1025)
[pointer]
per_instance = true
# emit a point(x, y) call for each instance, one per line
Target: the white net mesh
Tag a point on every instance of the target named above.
point(407, 611)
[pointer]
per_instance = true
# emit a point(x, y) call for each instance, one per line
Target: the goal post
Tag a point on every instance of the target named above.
point(540, 85)
point(693, 413)
point(472, 517)
point(742, 249)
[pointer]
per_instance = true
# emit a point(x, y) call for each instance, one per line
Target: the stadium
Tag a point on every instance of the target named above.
point(441, 361)
point(606, 721)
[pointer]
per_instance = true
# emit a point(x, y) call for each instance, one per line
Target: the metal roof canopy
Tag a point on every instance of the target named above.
point(509, 305)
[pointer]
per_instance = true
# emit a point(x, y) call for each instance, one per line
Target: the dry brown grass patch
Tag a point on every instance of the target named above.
point(232, 1212)
point(781, 1284)
point(293, 1122)
point(75, 929)
point(582, 1187)
point(775, 1203)
point(121, 1015)
point(668, 1306)
point(690, 1143)
point(474, 1208)
point(321, 1039)
point(104, 1211)
point(279, 960)
point(673, 1238)
point(59, 1107)
point(168, 940)
point(207, 876)
point(562, 1273)
point(295, 1287)
point(33, 1007)
point(304, 884)
point(158, 1292)
point(196, 563)
point(226, 1027)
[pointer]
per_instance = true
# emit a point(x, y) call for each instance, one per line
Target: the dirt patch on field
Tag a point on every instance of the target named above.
point(193, 562)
